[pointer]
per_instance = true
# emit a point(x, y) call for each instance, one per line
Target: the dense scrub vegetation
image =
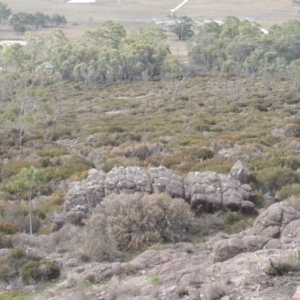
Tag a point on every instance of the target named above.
point(117, 99)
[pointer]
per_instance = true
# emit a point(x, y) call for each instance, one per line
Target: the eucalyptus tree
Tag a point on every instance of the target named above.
point(5, 13)
point(23, 185)
point(285, 40)
point(47, 47)
point(294, 72)
point(14, 58)
point(182, 27)
point(58, 20)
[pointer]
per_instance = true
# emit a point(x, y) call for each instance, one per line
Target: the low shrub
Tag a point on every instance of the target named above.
point(5, 241)
point(155, 280)
point(53, 152)
point(202, 127)
point(294, 201)
point(130, 269)
point(37, 271)
point(8, 228)
point(136, 221)
point(190, 155)
point(120, 290)
point(274, 179)
point(75, 165)
point(99, 250)
point(115, 129)
point(4, 273)
point(144, 151)
point(217, 290)
point(16, 254)
point(233, 217)
point(14, 167)
point(182, 291)
point(288, 191)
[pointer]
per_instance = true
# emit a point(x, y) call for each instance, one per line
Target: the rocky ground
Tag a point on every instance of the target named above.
point(224, 267)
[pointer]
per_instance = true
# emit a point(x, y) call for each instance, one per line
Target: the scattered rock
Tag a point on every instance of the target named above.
point(272, 221)
point(240, 172)
point(227, 248)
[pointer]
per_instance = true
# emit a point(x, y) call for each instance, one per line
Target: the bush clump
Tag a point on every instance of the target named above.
point(288, 191)
point(36, 271)
point(274, 179)
point(7, 228)
point(136, 221)
point(75, 165)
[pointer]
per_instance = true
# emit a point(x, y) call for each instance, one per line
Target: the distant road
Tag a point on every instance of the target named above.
point(177, 7)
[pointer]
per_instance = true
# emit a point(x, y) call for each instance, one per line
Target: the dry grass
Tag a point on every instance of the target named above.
point(139, 13)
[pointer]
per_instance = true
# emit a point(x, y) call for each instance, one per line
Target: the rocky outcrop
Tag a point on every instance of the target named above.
point(205, 191)
point(165, 181)
point(226, 249)
point(210, 192)
point(128, 180)
point(86, 193)
point(272, 221)
point(272, 229)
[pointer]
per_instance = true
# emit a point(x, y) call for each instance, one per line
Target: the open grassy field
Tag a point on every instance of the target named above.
point(134, 13)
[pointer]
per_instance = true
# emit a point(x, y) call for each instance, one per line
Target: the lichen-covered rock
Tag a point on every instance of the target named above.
point(165, 181)
point(291, 232)
point(240, 172)
point(87, 193)
point(206, 192)
point(127, 180)
point(210, 192)
point(272, 221)
point(255, 242)
point(96, 272)
point(227, 248)
point(57, 223)
point(76, 215)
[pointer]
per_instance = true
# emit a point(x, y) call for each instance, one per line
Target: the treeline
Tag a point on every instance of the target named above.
point(21, 22)
point(109, 54)
point(243, 48)
point(105, 54)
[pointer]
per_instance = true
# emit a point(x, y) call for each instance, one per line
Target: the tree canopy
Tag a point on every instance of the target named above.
point(243, 46)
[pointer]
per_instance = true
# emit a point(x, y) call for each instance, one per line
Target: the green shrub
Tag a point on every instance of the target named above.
point(13, 168)
point(274, 179)
point(54, 204)
point(75, 165)
point(7, 228)
point(16, 254)
point(155, 280)
point(108, 142)
point(232, 217)
point(202, 127)
point(36, 271)
point(288, 191)
point(53, 153)
point(136, 221)
point(261, 107)
point(115, 129)
point(279, 269)
point(4, 273)
point(5, 241)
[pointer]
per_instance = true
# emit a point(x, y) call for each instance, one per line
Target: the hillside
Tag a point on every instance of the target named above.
point(135, 169)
